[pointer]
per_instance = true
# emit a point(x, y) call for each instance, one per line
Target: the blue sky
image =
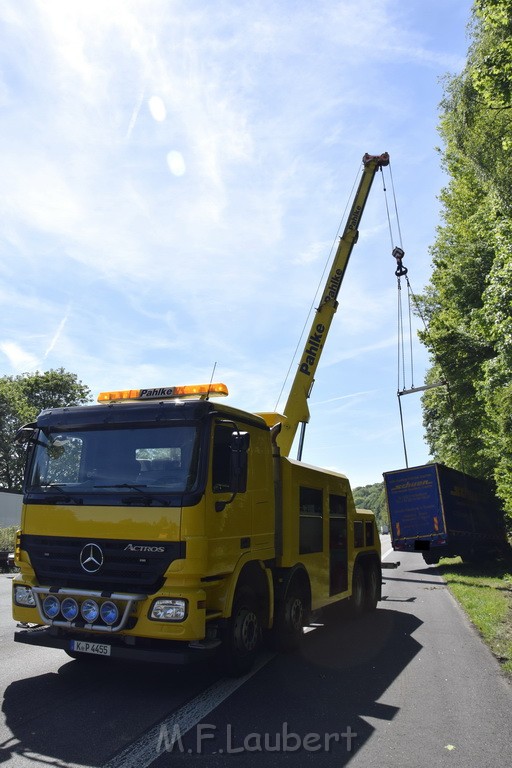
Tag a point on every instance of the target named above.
point(173, 177)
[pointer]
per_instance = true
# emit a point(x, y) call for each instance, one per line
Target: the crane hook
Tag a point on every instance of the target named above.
point(398, 254)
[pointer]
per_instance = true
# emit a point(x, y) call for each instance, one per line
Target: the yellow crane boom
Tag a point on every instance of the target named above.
point(296, 410)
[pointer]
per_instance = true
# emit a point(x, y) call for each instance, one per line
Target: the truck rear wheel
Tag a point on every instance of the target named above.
point(290, 618)
point(242, 638)
point(358, 599)
point(373, 580)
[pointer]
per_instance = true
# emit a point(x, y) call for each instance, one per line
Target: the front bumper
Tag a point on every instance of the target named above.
point(134, 619)
point(124, 647)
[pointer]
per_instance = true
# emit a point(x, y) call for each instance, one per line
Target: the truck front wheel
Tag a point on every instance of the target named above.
point(242, 638)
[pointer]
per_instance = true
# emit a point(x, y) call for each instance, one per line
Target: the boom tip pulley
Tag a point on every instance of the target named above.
point(381, 160)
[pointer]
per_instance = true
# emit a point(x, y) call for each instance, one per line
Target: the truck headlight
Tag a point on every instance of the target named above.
point(51, 607)
point(69, 608)
point(169, 609)
point(90, 610)
point(109, 612)
point(24, 596)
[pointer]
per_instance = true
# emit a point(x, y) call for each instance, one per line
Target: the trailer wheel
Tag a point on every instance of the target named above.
point(373, 579)
point(290, 618)
point(242, 637)
point(358, 599)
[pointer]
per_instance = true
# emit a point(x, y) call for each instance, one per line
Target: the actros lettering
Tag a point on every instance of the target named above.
point(142, 548)
point(311, 353)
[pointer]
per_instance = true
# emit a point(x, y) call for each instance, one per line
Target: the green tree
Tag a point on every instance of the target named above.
point(53, 389)
point(14, 411)
point(372, 497)
point(468, 303)
point(21, 399)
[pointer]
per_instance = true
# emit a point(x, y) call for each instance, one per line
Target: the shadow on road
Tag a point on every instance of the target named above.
point(89, 709)
point(320, 700)
point(86, 713)
point(421, 582)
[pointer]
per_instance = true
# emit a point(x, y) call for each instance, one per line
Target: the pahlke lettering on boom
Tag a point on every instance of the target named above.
point(354, 219)
point(311, 352)
point(334, 286)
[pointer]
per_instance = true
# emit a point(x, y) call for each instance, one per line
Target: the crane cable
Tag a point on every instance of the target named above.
point(398, 253)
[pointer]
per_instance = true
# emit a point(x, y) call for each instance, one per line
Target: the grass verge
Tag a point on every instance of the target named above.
point(485, 594)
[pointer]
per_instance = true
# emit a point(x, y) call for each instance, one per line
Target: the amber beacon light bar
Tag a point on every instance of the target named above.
point(165, 393)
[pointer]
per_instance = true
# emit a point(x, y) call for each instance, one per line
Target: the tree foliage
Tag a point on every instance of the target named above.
point(468, 303)
point(21, 399)
point(372, 497)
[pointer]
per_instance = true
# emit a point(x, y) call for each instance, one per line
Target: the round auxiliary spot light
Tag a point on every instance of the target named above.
point(109, 612)
point(69, 608)
point(51, 606)
point(90, 610)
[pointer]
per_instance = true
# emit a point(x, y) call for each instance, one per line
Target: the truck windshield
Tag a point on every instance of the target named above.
point(103, 460)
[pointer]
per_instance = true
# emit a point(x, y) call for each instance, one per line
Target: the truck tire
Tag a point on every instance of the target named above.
point(373, 579)
point(242, 634)
point(358, 598)
point(291, 615)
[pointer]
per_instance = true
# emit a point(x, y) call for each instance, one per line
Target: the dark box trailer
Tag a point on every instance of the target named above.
point(442, 512)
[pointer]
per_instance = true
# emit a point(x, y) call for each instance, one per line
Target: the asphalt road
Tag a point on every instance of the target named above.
point(411, 686)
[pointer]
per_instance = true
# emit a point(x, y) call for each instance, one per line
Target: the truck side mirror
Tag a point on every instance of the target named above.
point(238, 461)
point(238, 465)
point(25, 434)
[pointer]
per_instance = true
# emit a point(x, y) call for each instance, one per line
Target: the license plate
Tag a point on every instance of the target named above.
point(99, 649)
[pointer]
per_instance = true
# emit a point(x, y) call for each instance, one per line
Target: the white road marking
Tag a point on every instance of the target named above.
point(143, 752)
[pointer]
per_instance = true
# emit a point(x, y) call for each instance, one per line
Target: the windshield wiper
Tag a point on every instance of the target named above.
point(129, 500)
point(65, 498)
point(123, 485)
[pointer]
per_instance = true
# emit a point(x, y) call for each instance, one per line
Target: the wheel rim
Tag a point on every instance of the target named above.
point(358, 592)
point(246, 631)
point(296, 613)
point(372, 584)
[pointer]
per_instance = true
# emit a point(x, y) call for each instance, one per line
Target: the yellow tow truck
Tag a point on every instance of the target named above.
point(164, 525)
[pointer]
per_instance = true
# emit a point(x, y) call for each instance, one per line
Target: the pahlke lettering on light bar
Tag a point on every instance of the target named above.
point(161, 392)
point(164, 393)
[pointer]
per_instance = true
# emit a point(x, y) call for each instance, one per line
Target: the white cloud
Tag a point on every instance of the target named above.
point(19, 359)
point(56, 336)
point(135, 114)
point(176, 171)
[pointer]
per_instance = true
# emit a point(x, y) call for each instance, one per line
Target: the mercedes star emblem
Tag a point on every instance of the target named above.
point(91, 558)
